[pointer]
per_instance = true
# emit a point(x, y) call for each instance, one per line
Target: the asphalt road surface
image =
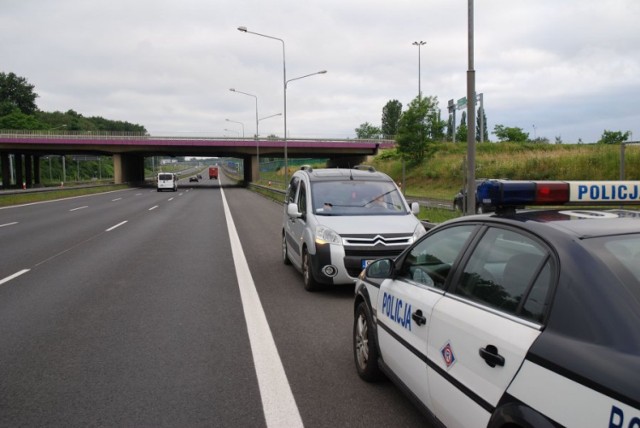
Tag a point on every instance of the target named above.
point(153, 309)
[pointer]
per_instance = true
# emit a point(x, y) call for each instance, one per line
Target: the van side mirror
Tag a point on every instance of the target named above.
point(292, 210)
point(415, 208)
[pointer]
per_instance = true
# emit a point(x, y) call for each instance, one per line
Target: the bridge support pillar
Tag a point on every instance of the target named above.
point(6, 170)
point(19, 170)
point(128, 168)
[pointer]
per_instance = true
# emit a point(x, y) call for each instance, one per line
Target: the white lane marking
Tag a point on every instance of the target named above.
point(15, 275)
point(117, 225)
point(79, 208)
point(278, 404)
point(153, 207)
point(9, 224)
point(116, 199)
point(170, 199)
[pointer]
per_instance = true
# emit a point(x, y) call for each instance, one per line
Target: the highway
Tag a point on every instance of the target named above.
point(166, 309)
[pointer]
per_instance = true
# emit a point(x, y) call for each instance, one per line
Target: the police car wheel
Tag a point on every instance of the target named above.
point(310, 284)
point(365, 350)
point(285, 253)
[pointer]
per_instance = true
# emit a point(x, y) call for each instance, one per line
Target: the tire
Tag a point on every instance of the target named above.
point(365, 349)
point(310, 283)
point(285, 252)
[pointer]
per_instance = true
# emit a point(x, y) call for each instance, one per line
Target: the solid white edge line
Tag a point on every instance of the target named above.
point(79, 208)
point(153, 207)
point(117, 225)
point(9, 224)
point(15, 275)
point(278, 404)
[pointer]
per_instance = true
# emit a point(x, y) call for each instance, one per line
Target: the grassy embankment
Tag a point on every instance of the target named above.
point(441, 176)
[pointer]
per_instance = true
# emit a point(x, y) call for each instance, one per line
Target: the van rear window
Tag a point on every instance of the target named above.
point(165, 177)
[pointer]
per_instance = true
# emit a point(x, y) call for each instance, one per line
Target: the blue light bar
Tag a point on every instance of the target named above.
point(506, 193)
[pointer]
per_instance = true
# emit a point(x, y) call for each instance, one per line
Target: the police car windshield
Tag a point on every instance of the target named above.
point(621, 253)
point(356, 198)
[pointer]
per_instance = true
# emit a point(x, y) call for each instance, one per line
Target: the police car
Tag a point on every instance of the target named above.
point(519, 318)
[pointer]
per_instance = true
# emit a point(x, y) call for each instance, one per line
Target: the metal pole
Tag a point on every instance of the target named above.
point(419, 45)
point(471, 122)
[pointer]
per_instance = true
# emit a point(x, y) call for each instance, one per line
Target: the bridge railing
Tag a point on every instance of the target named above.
point(117, 135)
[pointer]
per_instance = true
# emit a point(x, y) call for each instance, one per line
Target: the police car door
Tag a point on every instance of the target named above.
point(481, 331)
point(404, 305)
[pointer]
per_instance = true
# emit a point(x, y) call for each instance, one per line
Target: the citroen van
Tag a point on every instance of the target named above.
point(337, 221)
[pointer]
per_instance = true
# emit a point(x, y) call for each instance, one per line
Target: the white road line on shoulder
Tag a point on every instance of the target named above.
point(117, 225)
point(153, 207)
point(170, 199)
point(9, 224)
point(78, 208)
point(15, 275)
point(278, 404)
point(116, 199)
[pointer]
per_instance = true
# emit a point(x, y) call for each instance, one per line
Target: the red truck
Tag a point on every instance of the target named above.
point(213, 172)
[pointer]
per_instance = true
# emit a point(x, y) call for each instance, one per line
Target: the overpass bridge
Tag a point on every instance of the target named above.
point(129, 151)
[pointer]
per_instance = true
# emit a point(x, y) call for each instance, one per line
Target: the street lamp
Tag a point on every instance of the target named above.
point(273, 115)
point(257, 132)
point(286, 82)
point(419, 45)
point(256, 98)
point(241, 124)
point(284, 85)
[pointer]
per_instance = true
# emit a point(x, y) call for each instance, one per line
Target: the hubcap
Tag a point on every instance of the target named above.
point(362, 341)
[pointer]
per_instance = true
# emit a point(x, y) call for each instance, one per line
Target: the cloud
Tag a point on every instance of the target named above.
point(570, 68)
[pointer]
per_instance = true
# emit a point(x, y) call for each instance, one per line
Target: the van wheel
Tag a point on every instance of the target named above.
point(310, 283)
point(285, 253)
point(365, 350)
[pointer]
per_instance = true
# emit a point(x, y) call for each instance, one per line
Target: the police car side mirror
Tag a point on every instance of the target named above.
point(382, 268)
point(415, 208)
point(292, 210)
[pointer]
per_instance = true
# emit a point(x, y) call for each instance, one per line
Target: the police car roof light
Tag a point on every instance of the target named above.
point(506, 194)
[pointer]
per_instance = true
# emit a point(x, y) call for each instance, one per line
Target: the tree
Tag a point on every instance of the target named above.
point(367, 130)
point(514, 134)
point(18, 120)
point(391, 113)
point(16, 92)
point(614, 137)
point(418, 127)
point(481, 115)
point(461, 131)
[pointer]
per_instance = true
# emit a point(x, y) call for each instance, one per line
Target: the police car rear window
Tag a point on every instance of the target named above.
point(621, 253)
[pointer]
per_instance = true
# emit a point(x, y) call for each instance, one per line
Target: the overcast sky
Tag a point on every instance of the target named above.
point(567, 68)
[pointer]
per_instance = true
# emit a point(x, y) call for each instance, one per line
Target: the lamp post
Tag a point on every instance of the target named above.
point(284, 85)
point(257, 132)
point(471, 115)
point(419, 45)
point(241, 124)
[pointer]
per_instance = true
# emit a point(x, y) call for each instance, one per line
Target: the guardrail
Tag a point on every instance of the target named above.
point(110, 135)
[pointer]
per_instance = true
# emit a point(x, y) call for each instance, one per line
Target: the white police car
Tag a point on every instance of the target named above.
point(518, 318)
point(336, 221)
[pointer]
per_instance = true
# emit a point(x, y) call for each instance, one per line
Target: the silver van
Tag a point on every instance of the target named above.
point(167, 181)
point(337, 221)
